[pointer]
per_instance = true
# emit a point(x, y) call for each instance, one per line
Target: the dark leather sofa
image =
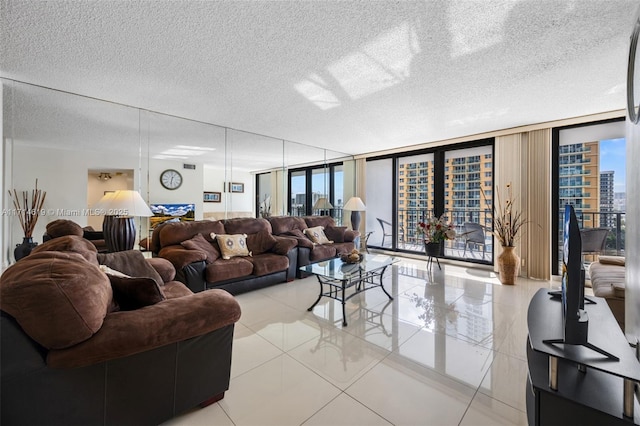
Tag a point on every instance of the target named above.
point(62, 227)
point(344, 240)
point(81, 347)
point(196, 255)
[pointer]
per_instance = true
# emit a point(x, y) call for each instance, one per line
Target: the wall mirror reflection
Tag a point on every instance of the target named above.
point(103, 146)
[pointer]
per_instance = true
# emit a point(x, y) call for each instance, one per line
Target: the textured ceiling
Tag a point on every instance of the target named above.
point(351, 76)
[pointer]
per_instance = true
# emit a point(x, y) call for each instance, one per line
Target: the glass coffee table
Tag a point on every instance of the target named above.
point(336, 276)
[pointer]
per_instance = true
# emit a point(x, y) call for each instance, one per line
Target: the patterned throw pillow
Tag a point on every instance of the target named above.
point(232, 245)
point(316, 234)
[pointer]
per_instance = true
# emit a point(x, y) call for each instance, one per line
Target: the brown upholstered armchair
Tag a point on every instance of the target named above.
point(90, 338)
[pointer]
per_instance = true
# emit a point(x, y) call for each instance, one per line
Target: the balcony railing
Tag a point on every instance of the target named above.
point(614, 221)
point(408, 239)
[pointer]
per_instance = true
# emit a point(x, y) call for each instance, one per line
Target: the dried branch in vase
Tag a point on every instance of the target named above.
point(27, 208)
point(506, 221)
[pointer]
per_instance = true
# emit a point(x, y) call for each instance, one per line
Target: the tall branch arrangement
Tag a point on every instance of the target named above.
point(506, 221)
point(28, 209)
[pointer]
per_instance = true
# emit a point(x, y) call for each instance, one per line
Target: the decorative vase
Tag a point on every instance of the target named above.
point(508, 265)
point(433, 249)
point(24, 249)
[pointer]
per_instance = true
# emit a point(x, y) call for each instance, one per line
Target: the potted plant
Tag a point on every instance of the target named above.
point(28, 210)
point(507, 223)
point(435, 231)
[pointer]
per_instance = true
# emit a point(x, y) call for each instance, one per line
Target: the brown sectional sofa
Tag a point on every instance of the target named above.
point(81, 346)
point(608, 281)
point(197, 258)
point(344, 240)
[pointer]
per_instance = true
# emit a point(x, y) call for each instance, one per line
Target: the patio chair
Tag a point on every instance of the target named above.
point(594, 240)
point(386, 229)
point(474, 234)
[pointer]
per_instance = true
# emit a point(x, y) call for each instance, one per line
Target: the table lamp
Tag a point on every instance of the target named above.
point(120, 207)
point(355, 205)
point(322, 204)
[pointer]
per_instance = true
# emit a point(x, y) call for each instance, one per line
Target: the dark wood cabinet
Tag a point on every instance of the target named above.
point(590, 389)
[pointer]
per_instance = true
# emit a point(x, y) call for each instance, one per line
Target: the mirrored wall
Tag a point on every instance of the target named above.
point(80, 149)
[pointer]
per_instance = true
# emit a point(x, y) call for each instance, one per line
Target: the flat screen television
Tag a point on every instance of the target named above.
point(574, 317)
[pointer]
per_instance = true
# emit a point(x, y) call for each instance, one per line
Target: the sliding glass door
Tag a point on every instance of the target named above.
point(453, 181)
point(589, 174)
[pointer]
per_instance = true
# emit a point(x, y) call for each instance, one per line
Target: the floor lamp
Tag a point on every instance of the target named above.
point(120, 207)
point(355, 205)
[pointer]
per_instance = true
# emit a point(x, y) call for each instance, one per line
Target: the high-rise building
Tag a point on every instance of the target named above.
point(579, 176)
point(466, 172)
point(607, 198)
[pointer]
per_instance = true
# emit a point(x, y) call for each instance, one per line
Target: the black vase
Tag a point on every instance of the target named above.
point(433, 249)
point(24, 249)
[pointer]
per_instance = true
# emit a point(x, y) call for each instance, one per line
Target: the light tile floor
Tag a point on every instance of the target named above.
point(448, 350)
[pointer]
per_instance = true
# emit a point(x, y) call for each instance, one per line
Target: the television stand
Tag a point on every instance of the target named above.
point(586, 345)
point(557, 294)
point(569, 384)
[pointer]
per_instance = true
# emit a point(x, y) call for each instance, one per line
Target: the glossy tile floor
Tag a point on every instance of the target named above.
point(448, 350)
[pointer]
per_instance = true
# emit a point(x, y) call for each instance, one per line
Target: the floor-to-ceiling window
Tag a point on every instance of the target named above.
point(455, 181)
point(468, 195)
point(317, 190)
point(589, 174)
point(298, 192)
point(415, 197)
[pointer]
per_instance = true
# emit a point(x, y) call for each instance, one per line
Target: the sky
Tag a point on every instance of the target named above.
point(613, 157)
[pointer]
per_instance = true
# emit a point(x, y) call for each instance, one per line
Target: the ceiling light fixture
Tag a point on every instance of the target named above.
point(104, 176)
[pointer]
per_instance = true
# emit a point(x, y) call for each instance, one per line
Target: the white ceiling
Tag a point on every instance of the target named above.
point(350, 76)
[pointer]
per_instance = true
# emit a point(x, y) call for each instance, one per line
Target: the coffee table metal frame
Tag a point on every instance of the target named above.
point(336, 276)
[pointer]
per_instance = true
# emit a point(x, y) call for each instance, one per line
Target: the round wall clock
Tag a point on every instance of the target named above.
point(171, 179)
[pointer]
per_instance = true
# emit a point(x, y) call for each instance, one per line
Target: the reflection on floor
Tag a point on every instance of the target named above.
point(448, 350)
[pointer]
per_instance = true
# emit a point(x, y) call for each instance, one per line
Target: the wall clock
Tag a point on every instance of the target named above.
point(171, 179)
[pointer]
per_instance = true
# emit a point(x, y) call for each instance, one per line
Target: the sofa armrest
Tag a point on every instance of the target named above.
point(129, 332)
point(180, 256)
point(340, 234)
point(304, 242)
point(193, 276)
point(350, 235)
point(164, 267)
point(284, 245)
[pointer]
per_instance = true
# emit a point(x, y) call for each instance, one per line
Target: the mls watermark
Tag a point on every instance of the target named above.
point(66, 212)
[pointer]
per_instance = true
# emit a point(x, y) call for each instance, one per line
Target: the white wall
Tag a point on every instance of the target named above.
point(189, 192)
point(213, 179)
point(4, 230)
point(64, 177)
point(632, 237)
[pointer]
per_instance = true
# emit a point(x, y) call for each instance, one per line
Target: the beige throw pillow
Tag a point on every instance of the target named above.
point(232, 245)
point(317, 235)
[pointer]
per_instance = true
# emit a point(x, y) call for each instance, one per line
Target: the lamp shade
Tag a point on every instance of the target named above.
point(355, 204)
point(119, 208)
point(322, 204)
point(123, 203)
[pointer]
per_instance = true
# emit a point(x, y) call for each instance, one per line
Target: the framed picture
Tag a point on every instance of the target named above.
point(211, 197)
point(236, 187)
point(171, 213)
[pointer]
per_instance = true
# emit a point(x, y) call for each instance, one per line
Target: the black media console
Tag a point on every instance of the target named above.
point(569, 384)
